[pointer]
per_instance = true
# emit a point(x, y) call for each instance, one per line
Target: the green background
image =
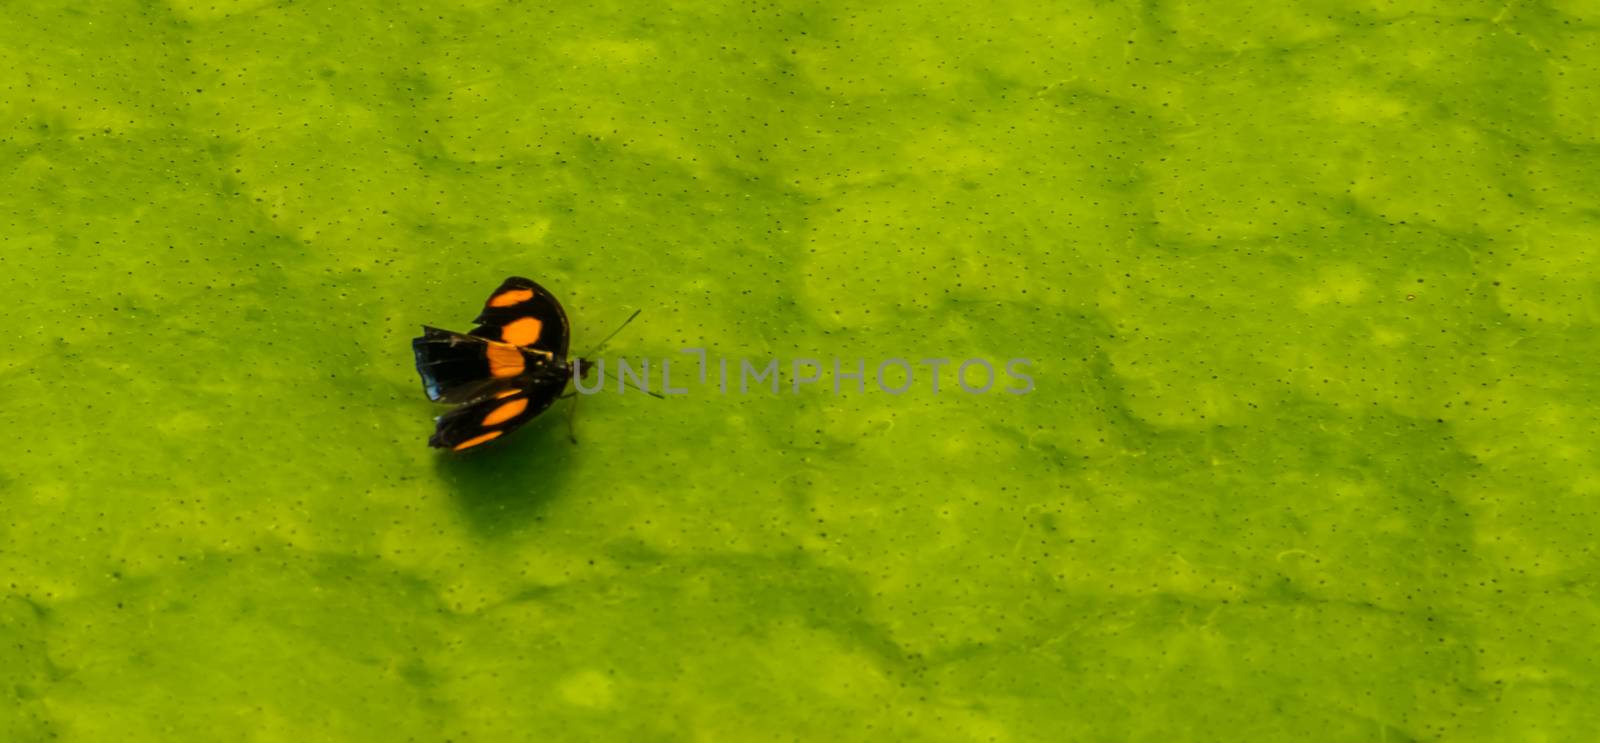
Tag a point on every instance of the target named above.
point(1309, 289)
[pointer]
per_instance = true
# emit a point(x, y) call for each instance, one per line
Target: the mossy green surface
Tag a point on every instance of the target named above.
point(1309, 289)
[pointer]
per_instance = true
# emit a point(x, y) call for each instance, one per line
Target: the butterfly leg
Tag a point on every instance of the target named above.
point(572, 413)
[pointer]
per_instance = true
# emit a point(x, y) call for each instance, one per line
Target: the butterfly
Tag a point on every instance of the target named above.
point(504, 373)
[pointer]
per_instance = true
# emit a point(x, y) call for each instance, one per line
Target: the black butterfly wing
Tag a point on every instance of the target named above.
point(481, 421)
point(507, 371)
point(525, 315)
point(457, 368)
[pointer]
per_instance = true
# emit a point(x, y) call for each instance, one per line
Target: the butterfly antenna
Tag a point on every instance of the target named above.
point(602, 344)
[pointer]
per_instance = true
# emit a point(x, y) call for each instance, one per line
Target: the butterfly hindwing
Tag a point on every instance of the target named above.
point(458, 368)
point(481, 421)
point(524, 314)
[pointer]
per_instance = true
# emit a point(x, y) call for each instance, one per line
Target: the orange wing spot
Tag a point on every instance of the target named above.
point(503, 394)
point(511, 297)
point(479, 439)
point(505, 412)
point(522, 331)
point(504, 360)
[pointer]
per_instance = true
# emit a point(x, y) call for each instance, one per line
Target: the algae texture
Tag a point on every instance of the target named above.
point(1308, 288)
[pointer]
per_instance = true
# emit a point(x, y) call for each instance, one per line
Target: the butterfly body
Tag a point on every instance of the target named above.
point(504, 373)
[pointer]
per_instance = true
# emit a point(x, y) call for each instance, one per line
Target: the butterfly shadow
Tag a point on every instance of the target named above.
point(503, 487)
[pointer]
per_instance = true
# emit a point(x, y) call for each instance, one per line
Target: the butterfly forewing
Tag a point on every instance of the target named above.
point(457, 368)
point(525, 315)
